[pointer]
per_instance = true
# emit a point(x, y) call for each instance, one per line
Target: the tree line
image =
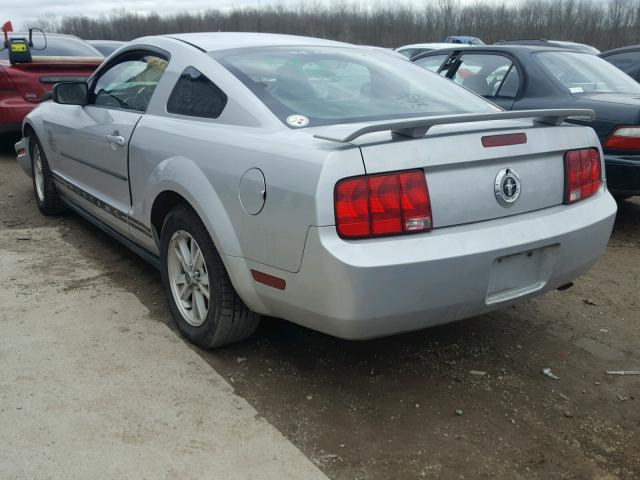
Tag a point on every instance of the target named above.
point(603, 24)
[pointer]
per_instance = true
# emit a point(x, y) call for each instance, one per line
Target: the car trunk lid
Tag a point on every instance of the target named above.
point(461, 172)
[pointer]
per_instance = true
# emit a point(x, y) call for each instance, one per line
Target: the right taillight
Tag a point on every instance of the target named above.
point(583, 174)
point(382, 204)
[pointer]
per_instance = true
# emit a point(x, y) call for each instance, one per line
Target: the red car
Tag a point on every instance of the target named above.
point(54, 58)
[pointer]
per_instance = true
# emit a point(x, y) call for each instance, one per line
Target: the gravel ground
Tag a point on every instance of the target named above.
point(465, 400)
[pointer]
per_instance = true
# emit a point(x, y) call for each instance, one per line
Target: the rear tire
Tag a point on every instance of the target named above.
point(44, 188)
point(205, 306)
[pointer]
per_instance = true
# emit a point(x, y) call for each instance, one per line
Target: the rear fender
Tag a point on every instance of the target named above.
point(183, 176)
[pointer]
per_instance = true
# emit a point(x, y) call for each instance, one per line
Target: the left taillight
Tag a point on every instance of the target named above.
point(382, 204)
point(583, 174)
point(626, 137)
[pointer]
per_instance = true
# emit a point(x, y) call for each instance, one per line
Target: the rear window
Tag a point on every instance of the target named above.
point(626, 61)
point(585, 73)
point(55, 46)
point(328, 85)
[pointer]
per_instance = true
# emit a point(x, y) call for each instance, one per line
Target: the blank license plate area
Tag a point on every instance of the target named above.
point(520, 274)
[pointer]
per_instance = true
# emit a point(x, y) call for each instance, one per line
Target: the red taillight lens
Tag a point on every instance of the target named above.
point(383, 204)
point(583, 174)
point(352, 207)
point(624, 138)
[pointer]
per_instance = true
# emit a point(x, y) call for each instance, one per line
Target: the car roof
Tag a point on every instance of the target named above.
point(433, 46)
point(213, 41)
point(515, 49)
point(628, 48)
point(583, 47)
point(104, 42)
point(39, 34)
point(463, 37)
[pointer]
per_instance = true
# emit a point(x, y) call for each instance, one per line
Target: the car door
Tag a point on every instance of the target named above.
point(494, 76)
point(92, 141)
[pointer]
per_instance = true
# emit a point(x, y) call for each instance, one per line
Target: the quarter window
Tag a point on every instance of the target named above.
point(510, 84)
point(485, 75)
point(431, 63)
point(196, 96)
point(130, 83)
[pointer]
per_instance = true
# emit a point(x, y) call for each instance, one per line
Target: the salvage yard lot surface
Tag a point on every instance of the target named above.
point(387, 408)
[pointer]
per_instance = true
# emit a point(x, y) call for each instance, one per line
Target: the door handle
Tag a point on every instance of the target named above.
point(116, 139)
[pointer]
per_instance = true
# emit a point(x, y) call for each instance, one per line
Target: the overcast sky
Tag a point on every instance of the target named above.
point(21, 12)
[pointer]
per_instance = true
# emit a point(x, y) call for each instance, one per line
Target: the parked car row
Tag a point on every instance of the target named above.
point(339, 187)
point(32, 62)
point(519, 77)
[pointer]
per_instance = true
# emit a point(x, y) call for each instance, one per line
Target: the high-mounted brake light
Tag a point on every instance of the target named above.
point(382, 204)
point(504, 139)
point(624, 138)
point(583, 174)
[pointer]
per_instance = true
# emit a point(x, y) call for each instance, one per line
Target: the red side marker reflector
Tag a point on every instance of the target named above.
point(504, 140)
point(22, 151)
point(269, 280)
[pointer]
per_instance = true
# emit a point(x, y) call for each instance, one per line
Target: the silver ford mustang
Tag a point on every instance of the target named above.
point(331, 185)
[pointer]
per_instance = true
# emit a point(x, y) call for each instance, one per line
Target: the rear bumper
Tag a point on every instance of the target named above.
point(372, 288)
point(623, 175)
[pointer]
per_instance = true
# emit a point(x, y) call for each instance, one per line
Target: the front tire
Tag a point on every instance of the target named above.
point(205, 306)
point(44, 188)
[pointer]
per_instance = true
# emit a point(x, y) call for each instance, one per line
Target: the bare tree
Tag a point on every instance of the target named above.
point(604, 24)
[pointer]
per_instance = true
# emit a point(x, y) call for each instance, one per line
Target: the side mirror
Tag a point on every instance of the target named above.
point(71, 93)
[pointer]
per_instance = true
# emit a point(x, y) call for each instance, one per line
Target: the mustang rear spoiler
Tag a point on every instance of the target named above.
point(418, 127)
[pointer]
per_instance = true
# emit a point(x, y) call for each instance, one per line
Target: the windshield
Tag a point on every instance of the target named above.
point(55, 46)
point(325, 85)
point(586, 73)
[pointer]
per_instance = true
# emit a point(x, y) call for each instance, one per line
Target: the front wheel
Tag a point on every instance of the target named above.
point(205, 306)
point(47, 197)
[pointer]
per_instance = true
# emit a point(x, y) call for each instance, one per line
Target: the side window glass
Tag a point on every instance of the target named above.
point(510, 84)
point(431, 63)
point(482, 73)
point(129, 84)
point(407, 52)
point(196, 96)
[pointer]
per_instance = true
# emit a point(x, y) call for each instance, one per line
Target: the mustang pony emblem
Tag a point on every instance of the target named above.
point(507, 187)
